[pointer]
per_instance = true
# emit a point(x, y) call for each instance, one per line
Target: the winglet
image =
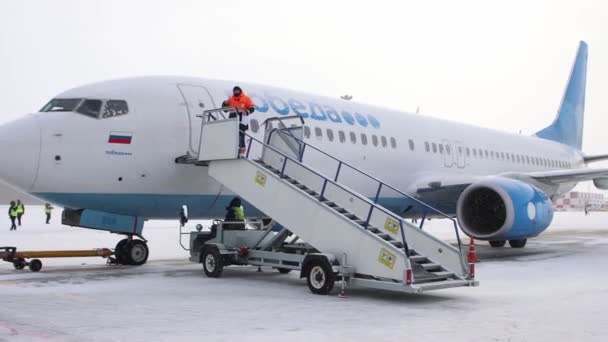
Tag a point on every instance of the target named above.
point(567, 128)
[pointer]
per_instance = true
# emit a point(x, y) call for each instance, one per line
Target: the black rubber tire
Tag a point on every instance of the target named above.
point(283, 270)
point(120, 252)
point(320, 278)
point(213, 263)
point(137, 252)
point(19, 264)
point(520, 243)
point(35, 265)
point(498, 243)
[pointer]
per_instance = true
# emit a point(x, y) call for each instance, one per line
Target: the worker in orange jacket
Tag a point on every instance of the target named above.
point(245, 107)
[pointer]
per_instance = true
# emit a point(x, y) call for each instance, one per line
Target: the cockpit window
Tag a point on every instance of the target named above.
point(61, 105)
point(114, 108)
point(90, 108)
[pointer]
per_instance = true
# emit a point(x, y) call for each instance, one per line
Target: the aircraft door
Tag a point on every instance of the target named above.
point(448, 153)
point(461, 160)
point(197, 99)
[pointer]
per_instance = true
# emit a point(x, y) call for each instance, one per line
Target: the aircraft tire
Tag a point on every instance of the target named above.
point(120, 252)
point(519, 243)
point(19, 264)
point(137, 252)
point(498, 243)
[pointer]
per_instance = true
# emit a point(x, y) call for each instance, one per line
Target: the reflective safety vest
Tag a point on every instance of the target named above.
point(20, 208)
point(48, 209)
point(13, 212)
point(239, 213)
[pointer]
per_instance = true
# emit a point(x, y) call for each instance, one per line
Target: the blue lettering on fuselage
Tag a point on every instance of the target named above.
point(311, 110)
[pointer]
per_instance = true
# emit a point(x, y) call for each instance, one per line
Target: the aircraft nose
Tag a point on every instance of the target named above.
point(20, 148)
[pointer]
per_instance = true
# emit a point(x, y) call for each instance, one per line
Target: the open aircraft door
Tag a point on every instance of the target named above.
point(197, 99)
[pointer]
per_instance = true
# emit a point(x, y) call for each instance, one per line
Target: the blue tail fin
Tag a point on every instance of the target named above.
point(568, 125)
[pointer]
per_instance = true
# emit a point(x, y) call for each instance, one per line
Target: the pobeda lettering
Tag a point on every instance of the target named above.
point(309, 110)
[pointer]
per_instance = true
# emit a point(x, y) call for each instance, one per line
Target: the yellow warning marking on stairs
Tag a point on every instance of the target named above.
point(387, 258)
point(260, 178)
point(391, 225)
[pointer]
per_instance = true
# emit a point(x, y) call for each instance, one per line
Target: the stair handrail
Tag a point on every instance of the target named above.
point(380, 186)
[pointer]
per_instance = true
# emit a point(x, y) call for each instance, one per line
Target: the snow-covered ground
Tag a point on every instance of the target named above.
point(556, 289)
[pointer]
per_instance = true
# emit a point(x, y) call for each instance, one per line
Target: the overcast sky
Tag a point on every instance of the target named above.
point(495, 64)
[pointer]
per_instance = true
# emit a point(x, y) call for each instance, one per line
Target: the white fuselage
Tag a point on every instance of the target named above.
point(77, 167)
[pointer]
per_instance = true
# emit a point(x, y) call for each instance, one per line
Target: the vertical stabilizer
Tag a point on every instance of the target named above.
point(567, 128)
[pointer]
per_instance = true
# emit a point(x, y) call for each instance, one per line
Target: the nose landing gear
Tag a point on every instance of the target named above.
point(131, 252)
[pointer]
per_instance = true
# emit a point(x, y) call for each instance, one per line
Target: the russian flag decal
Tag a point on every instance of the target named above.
point(120, 138)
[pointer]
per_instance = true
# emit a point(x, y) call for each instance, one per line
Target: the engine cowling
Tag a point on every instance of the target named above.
point(499, 208)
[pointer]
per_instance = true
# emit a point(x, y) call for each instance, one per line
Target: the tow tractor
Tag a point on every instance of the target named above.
point(19, 259)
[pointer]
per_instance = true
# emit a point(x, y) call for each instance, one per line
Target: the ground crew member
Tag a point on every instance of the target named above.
point(20, 211)
point(47, 210)
point(12, 214)
point(234, 213)
point(245, 107)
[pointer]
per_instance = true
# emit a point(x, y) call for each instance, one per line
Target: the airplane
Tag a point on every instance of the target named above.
point(108, 152)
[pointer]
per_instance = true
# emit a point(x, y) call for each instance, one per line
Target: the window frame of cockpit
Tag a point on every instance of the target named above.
point(82, 100)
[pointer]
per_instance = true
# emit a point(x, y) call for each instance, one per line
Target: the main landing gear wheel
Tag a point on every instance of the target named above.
point(320, 278)
point(498, 243)
point(213, 264)
point(120, 252)
point(35, 265)
point(520, 243)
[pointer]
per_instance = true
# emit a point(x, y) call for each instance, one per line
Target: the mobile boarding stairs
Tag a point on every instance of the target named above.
point(327, 230)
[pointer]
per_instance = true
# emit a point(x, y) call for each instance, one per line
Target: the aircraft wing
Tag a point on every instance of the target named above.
point(442, 189)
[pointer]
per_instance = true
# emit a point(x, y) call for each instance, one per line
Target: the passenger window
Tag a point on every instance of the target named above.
point(509, 159)
point(363, 139)
point(448, 150)
point(353, 137)
point(393, 143)
point(411, 143)
point(307, 132)
point(434, 147)
point(492, 154)
point(518, 158)
point(527, 160)
point(255, 125)
point(330, 134)
point(383, 140)
point(318, 132)
point(114, 108)
point(475, 152)
point(502, 156)
point(485, 152)
point(374, 140)
point(427, 147)
point(440, 148)
point(468, 152)
point(342, 136)
point(90, 108)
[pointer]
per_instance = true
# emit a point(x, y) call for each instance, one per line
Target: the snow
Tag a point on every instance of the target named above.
point(554, 289)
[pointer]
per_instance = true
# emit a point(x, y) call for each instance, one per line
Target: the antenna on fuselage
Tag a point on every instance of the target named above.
point(346, 97)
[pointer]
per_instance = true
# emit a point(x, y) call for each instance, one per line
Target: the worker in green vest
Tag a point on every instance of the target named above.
point(20, 211)
point(12, 214)
point(47, 210)
point(234, 214)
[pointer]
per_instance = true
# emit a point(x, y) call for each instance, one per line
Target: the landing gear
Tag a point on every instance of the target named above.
point(131, 252)
point(498, 243)
point(35, 265)
point(519, 243)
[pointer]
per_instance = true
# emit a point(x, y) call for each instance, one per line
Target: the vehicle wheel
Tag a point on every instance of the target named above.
point(120, 252)
point(320, 277)
point(498, 243)
point(283, 270)
point(520, 243)
point(137, 252)
point(19, 264)
point(35, 265)
point(213, 264)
